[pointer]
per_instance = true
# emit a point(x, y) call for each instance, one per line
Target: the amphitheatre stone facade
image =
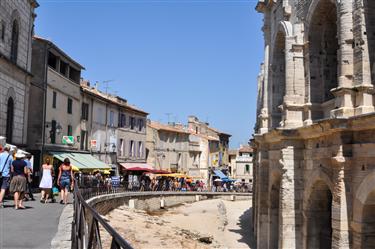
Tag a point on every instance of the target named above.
point(314, 164)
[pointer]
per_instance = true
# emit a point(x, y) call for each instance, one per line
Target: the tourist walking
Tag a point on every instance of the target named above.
point(65, 180)
point(6, 160)
point(18, 182)
point(46, 182)
point(29, 178)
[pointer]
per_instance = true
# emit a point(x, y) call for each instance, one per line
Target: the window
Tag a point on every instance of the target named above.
point(14, 42)
point(52, 60)
point(83, 140)
point(2, 30)
point(53, 132)
point(85, 111)
point(140, 124)
point(131, 148)
point(10, 120)
point(70, 130)
point(121, 147)
point(121, 120)
point(64, 68)
point(74, 75)
point(54, 96)
point(132, 123)
point(247, 168)
point(111, 118)
point(70, 105)
point(140, 149)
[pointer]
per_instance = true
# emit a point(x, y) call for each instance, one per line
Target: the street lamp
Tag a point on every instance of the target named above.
point(58, 129)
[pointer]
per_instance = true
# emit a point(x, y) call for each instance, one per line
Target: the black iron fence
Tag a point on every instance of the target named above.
point(87, 222)
point(86, 232)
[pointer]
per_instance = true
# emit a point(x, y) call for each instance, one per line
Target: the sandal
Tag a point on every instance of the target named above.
point(21, 207)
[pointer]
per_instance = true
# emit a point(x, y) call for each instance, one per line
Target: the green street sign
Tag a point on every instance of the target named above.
point(68, 140)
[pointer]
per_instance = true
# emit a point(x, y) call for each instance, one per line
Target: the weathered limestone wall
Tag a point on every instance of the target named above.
point(316, 188)
point(151, 201)
point(314, 172)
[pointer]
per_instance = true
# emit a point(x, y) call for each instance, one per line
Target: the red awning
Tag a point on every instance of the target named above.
point(142, 167)
point(137, 167)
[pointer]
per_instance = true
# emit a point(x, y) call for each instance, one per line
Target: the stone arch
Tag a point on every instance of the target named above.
point(363, 226)
point(278, 79)
point(322, 56)
point(369, 9)
point(278, 71)
point(274, 209)
point(317, 211)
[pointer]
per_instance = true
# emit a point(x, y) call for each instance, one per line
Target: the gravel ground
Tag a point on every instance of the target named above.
point(205, 224)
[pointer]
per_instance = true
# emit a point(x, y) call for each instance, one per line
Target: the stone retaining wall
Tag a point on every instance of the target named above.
point(151, 201)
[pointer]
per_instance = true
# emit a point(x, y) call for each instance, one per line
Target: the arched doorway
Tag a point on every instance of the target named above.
point(274, 214)
point(368, 222)
point(319, 217)
point(369, 8)
point(278, 79)
point(323, 47)
point(10, 120)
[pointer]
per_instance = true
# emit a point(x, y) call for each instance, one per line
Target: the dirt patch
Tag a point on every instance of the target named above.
point(203, 225)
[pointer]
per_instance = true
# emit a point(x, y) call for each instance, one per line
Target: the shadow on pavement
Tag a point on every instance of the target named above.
point(246, 232)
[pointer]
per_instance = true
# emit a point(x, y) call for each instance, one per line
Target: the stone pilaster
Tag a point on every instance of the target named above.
point(290, 222)
point(340, 223)
point(262, 202)
point(264, 114)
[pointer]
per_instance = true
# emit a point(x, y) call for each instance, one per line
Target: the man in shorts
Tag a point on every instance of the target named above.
point(6, 160)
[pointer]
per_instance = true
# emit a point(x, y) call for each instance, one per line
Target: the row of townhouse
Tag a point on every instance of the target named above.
point(195, 149)
point(69, 117)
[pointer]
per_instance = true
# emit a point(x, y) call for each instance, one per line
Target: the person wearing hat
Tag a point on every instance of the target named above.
point(65, 180)
point(6, 160)
point(18, 184)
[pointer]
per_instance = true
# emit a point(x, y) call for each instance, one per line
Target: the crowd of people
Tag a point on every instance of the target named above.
point(150, 182)
point(16, 177)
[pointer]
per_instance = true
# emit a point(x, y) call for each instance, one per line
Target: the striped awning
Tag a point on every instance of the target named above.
point(81, 160)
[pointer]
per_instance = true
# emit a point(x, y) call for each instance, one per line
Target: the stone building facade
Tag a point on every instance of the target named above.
point(168, 147)
point(314, 138)
point(242, 167)
point(112, 129)
point(55, 101)
point(16, 30)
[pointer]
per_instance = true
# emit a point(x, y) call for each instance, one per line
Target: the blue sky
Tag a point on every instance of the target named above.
point(178, 57)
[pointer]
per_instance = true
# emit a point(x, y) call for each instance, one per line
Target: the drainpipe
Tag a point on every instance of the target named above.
point(44, 102)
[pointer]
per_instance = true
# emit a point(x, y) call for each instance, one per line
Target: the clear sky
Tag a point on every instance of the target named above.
point(197, 57)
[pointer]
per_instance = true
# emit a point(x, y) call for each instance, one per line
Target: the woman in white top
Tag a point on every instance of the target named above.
point(46, 182)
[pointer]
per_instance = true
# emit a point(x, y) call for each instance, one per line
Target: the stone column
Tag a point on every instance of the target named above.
point(290, 195)
point(340, 223)
point(362, 66)
point(344, 92)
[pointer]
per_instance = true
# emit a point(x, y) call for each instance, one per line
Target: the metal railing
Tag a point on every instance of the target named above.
point(86, 232)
